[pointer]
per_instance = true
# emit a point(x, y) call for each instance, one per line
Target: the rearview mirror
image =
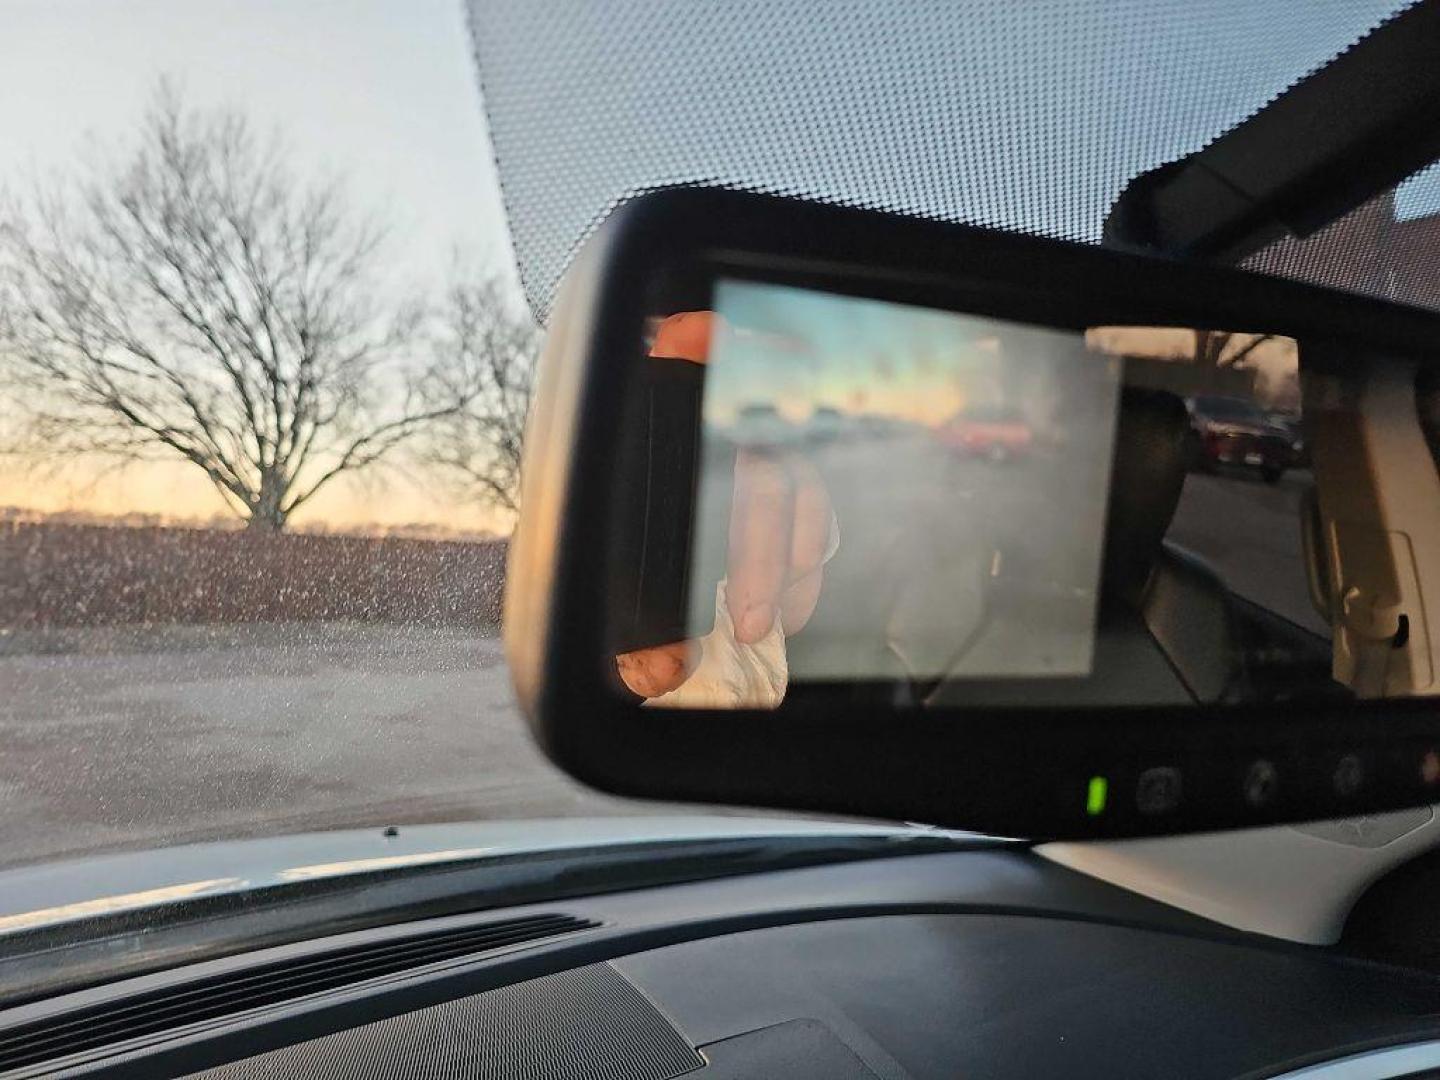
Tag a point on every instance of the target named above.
point(830, 510)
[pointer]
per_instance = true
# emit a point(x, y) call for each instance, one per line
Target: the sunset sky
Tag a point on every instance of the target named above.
point(386, 499)
point(801, 350)
point(385, 93)
point(382, 92)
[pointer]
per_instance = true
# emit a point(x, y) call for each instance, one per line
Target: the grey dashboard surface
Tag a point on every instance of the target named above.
point(993, 963)
point(899, 997)
point(931, 996)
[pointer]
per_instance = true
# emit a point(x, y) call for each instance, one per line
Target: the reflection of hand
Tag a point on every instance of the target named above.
point(780, 524)
point(779, 530)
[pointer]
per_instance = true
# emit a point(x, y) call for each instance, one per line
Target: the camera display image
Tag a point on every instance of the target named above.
point(949, 470)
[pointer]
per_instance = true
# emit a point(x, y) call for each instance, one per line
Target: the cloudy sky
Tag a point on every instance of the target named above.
point(383, 91)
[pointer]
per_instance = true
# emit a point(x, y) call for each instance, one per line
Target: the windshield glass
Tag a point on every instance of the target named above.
point(1006, 115)
point(263, 376)
point(267, 352)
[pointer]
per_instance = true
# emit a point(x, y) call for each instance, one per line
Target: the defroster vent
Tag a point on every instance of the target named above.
point(585, 1024)
point(266, 984)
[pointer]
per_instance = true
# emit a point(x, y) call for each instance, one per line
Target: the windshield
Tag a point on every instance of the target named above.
point(267, 343)
point(264, 370)
point(1004, 115)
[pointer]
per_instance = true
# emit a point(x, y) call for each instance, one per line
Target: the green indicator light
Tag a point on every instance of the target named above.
point(1095, 796)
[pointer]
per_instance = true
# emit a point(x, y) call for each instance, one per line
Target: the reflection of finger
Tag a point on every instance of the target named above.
point(652, 672)
point(811, 533)
point(798, 602)
point(760, 539)
point(685, 336)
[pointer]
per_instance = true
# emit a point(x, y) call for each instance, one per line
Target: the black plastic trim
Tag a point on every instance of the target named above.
point(1012, 771)
point(1349, 131)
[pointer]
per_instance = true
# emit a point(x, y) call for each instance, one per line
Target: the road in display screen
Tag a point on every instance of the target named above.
point(967, 460)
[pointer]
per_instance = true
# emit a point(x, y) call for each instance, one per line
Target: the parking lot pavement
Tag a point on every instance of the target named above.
point(141, 737)
point(1249, 531)
point(144, 738)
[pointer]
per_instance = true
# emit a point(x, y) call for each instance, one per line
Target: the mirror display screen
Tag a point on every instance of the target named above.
point(893, 492)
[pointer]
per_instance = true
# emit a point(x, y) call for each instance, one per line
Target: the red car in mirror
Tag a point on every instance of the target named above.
point(995, 433)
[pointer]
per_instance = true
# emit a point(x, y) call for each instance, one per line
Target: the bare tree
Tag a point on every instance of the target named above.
point(487, 349)
point(196, 299)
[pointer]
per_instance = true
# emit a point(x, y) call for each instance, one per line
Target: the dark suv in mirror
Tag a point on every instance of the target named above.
point(1236, 433)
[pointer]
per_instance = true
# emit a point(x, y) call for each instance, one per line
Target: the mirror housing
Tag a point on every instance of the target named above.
point(1018, 771)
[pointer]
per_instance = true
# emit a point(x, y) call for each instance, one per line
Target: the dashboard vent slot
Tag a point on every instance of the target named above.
point(267, 984)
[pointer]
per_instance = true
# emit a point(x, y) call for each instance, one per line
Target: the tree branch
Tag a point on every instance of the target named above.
point(195, 296)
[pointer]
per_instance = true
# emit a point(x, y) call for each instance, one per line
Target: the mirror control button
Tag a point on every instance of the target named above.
point(1158, 791)
point(1349, 776)
point(1430, 768)
point(1261, 782)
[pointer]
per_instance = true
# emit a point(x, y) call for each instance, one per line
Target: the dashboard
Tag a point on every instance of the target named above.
point(994, 963)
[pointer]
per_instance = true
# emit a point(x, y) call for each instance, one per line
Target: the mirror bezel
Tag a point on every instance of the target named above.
point(956, 767)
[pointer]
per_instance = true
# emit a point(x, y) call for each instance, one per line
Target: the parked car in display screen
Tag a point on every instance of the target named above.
point(1233, 432)
point(996, 433)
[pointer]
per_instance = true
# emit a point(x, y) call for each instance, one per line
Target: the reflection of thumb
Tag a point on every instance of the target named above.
point(686, 336)
point(731, 675)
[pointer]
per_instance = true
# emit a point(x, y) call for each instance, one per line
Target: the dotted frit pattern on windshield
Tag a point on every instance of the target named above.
point(1388, 247)
point(1029, 117)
